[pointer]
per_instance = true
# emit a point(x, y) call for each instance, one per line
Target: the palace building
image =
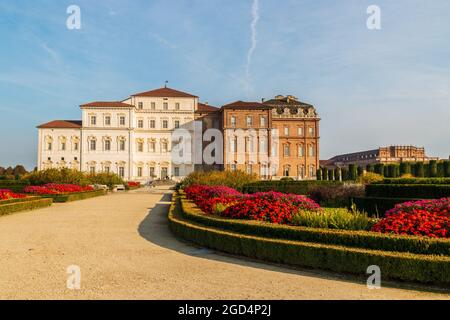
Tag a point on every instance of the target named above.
point(133, 138)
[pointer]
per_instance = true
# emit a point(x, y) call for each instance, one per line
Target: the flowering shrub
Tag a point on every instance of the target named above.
point(54, 188)
point(272, 207)
point(6, 194)
point(429, 218)
point(212, 199)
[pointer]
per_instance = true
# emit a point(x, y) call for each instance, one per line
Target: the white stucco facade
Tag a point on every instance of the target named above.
point(131, 138)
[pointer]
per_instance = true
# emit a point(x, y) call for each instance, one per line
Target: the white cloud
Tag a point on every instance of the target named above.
point(254, 40)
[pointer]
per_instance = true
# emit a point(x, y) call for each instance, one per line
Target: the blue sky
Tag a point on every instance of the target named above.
point(371, 88)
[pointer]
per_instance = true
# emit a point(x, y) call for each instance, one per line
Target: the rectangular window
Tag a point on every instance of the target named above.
point(152, 124)
point(311, 131)
point(164, 147)
point(153, 105)
point(262, 121)
point(233, 167)
point(165, 106)
point(107, 145)
point(177, 124)
point(286, 131)
point(233, 121)
point(249, 169)
point(165, 124)
point(140, 105)
point(93, 120)
point(122, 172)
point(92, 170)
point(122, 145)
point(139, 172)
point(312, 152)
point(249, 121)
point(93, 145)
point(176, 171)
point(107, 121)
point(107, 169)
point(122, 120)
point(152, 146)
point(140, 147)
point(152, 172)
point(287, 150)
point(75, 146)
point(177, 106)
point(301, 151)
point(140, 124)
point(49, 146)
point(63, 146)
point(300, 131)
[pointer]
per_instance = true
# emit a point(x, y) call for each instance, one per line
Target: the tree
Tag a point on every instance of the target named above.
point(338, 174)
point(379, 168)
point(419, 170)
point(433, 170)
point(370, 168)
point(447, 168)
point(352, 172)
point(405, 168)
point(2, 171)
point(19, 170)
point(319, 174)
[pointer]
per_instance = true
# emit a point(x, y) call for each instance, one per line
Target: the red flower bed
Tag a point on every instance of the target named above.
point(6, 194)
point(208, 197)
point(134, 184)
point(54, 188)
point(429, 218)
point(273, 207)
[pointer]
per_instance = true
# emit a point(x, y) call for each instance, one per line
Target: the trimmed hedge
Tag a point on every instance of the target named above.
point(395, 265)
point(377, 206)
point(420, 191)
point(415, 181)
point(30, 198)
point(358, 239)
point(14, 185)
point(75, 196)
point(29, 204)
point(295, 187)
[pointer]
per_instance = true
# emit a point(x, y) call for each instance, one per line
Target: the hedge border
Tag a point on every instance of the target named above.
point(355, 239)
point(399, 266)
point(61, 198)
point(28, 198)
point(378, 206)
point(438, 181)
point(296, 187)
point(6, 209)
point(423, 191)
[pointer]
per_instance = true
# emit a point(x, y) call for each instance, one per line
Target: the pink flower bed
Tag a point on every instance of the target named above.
point(54, 188)
point(429, 218)
point(272, 207)
point(6, 194)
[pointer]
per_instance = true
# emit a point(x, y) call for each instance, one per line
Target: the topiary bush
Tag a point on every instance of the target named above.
point(233, 179)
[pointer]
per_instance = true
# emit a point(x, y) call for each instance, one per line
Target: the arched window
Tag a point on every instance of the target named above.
point(312, 150)
point(287, 170)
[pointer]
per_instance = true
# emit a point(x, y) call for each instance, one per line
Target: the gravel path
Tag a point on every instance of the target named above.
point(126, 253)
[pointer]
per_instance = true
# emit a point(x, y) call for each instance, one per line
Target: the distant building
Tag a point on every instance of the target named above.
point(391, 154)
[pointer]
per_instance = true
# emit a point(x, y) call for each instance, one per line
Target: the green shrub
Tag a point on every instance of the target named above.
point(419, 170)
point(352, 172)
point(370, 168)
point(393, 170)
point(370, 177)
point(447, 168)
point(416, 181)
point(379, 169)
point(319, 174)
point(233, 179)
point(108, 179)
point(417, 191)
point(75, 196)
point(25, 205)
point(287, 179)
point(405, 168)
point(402, 266)
point(377, 206)
point(433, 171)
point(295, 187)
point(335, 195)
point(65, 176)
point(13, 185)
point(325, 173)
point(338, 174)
point(334, 218)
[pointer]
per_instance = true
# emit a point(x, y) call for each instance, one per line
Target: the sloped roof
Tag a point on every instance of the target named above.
point(62, 124)
point(206, 108)
point(165, 92)
point(245, 105)
point(106, 104)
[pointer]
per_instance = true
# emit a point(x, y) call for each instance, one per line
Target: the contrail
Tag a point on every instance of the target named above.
point(255, 19)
